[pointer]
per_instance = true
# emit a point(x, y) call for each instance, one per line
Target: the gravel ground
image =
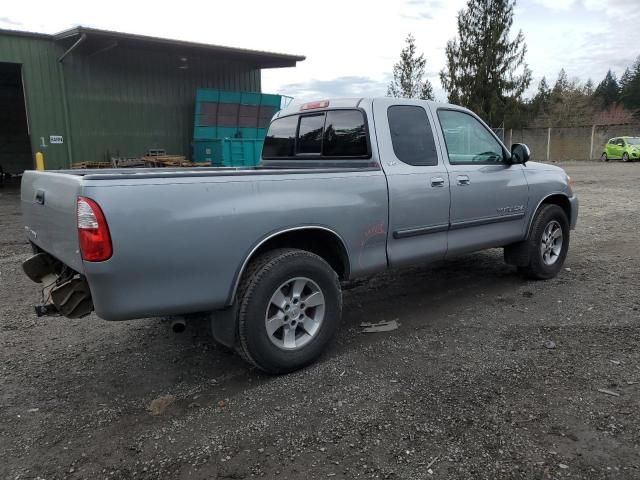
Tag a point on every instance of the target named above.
point(465, 388)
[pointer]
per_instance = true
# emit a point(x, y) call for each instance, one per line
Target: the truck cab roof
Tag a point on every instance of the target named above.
point(332, 103)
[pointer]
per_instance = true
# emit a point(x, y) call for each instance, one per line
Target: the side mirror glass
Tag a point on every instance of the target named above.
point(520, 153)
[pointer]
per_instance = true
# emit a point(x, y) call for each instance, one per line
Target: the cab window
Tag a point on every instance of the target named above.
point(335, 134)
point(281, 138)
point(310, 134)
point(345, 134)
point(411, 135)
point(468, 141)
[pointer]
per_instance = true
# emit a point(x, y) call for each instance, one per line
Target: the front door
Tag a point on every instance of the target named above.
point(489, 196)
point(417, 180)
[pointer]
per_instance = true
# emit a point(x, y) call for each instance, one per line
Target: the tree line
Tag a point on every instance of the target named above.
point(486, 71)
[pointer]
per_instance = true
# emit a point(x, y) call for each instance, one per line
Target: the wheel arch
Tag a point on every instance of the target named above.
point(323, 241)
point(560, 199)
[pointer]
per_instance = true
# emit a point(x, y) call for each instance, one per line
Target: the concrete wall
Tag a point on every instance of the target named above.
point(569, 143)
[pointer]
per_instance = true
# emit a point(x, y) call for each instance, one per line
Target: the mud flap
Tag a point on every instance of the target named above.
point(39, 266)
point(517, 254)
point(73, 298)
point(223, 325)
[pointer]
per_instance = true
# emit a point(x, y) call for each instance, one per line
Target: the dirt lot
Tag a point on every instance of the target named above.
point(465, 388)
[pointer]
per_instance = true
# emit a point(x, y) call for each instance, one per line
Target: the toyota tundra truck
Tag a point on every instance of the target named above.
point(345, 188)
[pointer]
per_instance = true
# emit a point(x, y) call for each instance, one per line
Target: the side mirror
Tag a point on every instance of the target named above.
point(520, 153)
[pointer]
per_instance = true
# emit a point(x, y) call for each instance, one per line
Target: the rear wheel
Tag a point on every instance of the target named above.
point(604, 157)
point(548, 243)
point(625, 157)
point(290, 303)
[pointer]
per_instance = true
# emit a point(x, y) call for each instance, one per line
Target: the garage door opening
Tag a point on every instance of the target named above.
point(15, 146)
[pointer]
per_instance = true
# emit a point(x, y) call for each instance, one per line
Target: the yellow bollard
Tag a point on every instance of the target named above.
point(39, 161)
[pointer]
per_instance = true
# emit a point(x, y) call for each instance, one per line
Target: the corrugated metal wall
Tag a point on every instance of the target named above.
point(121, 101)
point(125, 101)
point(43, 92)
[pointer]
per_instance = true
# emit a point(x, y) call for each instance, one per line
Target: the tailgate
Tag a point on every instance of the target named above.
point(49, 214)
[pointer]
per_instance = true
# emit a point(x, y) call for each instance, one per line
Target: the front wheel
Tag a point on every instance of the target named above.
point(548, 243)
point(290, 304)
point(604, 157)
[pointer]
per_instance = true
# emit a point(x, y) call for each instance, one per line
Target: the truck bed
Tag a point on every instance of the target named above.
point(180, 236)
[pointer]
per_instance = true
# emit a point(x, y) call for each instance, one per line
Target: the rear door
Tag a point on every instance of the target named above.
point(489, 196)
point(417, 181)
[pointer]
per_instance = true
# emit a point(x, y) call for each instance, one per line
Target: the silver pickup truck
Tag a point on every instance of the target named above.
point(345, 188)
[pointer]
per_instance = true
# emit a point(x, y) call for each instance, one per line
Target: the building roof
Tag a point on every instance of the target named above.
point(260, 59)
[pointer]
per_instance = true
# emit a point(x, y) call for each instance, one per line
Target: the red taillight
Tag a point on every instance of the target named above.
point(93, 232)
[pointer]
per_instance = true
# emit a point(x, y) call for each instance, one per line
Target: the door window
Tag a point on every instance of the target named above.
point(411, 135)
point(467, 140)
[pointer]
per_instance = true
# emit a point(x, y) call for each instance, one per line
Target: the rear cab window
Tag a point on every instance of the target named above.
point(338, 137)
point(310, 135)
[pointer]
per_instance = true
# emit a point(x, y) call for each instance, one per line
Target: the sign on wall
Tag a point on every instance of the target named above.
point(55, 139)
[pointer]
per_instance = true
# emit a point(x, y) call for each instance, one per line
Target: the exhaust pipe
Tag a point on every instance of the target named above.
point(178, 325)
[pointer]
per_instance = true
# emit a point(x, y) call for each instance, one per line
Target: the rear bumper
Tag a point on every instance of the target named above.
point(575, 204)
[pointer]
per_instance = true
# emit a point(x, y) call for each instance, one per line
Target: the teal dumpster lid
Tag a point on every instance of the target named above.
point(225, 113)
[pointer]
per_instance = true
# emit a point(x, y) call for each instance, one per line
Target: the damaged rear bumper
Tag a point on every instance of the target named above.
point(64, 292)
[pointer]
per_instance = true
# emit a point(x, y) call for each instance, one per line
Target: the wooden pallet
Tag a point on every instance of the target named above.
point(167, 161)
point(84, 165)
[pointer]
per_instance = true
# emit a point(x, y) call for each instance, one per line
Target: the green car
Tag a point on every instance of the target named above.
point(625, 148)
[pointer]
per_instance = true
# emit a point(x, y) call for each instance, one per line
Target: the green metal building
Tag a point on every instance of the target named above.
point(87, 94)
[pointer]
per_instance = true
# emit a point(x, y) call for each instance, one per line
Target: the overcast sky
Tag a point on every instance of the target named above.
point(351, 45)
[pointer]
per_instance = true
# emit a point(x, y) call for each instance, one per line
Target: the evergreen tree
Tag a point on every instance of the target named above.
point(485, 69)
point(408, 74)
point(542, 98)
point(630, 87)
point(588, 88)
point(560, 87)
point(608, 91)
point(567, 104)
point(625, 79)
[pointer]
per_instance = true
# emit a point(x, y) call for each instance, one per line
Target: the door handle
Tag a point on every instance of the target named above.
point(437, 182)
point(463, 180)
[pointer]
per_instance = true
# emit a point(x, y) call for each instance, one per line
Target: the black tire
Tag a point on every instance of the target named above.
point(625, 157)
point(604, 157)
point(537, 269)
point(264, 276)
